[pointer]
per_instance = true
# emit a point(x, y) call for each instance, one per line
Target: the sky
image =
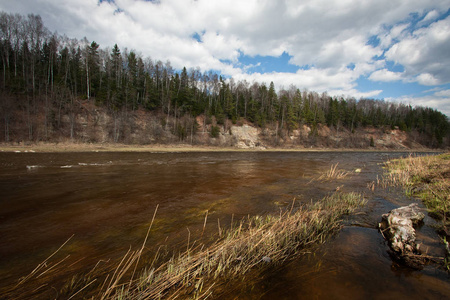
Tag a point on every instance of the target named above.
point(396, 50)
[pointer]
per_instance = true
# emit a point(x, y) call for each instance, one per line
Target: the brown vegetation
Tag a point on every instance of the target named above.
point(428, 178)
point(253, 243)
point(247, 248)
point(333, 173)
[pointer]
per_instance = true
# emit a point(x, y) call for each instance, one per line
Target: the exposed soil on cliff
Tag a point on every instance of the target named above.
point(92, 125)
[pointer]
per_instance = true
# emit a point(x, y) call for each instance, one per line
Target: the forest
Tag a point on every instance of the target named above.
point(45, 77)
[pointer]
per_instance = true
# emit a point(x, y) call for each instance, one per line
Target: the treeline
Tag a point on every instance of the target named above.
point(41, 70)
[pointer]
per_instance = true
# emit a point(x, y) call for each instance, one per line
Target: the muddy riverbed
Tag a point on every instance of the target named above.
point(106, 202)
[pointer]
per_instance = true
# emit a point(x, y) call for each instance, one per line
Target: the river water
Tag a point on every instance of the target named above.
point(106, 202)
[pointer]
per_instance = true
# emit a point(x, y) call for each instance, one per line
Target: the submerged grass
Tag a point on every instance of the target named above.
point(244, 250)
point(252, 244)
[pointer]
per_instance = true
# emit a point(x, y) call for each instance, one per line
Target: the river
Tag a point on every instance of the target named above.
point(106, 201)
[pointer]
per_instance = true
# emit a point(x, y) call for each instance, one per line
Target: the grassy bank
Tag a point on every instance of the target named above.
point(425, 177)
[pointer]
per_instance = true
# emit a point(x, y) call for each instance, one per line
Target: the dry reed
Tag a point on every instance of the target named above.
point(333, 173)
point(253, 243)
point(426, 177)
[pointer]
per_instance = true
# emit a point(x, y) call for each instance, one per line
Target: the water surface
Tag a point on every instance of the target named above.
point(106, 200)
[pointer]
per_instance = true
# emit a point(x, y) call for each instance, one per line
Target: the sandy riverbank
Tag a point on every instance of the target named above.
point(84, 147)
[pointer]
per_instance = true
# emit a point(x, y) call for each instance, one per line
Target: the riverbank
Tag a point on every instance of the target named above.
point(426, 178)
point(89, 147)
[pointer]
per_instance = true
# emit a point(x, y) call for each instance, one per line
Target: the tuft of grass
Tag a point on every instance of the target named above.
point(333, 173)
point(252, 244)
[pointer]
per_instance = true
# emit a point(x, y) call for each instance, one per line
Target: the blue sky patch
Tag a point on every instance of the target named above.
point(394, 67)
point(373, 41)
point(197, 37)
point(392, 89)
point(268, 64)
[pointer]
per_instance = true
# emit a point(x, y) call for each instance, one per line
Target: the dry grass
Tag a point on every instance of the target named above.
point(428, 178)
point(333, 173)
point(247, 248)
point(254, 243)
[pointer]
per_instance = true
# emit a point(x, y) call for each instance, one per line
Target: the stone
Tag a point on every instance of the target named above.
point(397, 227)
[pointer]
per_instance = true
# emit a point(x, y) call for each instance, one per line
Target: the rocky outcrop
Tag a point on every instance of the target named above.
point(397, 227)
point(246, 136)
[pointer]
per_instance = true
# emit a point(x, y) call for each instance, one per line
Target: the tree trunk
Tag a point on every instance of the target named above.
point(87, 79)
point(46, 116)
point(167, 118)
point(192, 130)
point(29, 121)
point(6, 129)
point(72, 124)
point(4, 75)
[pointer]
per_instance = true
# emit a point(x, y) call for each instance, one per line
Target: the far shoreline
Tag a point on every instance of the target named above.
point(167, 148)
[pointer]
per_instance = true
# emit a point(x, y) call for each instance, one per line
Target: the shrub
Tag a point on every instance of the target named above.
point(215, 130)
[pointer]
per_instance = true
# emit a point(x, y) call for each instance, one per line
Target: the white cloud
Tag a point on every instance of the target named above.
point(314, 79)
point(443, 93)
point(398, 30)
point(427, 79)
point(338, 53)
point(318, 80)
point(425, 53)
point(353, 93)
point(430, 16)
point(314, 32)
point(221, 46)
point(326, 35)
point(385, 75)
point(389, 37)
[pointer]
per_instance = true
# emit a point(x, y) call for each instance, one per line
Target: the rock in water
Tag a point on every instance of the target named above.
point(397, 227)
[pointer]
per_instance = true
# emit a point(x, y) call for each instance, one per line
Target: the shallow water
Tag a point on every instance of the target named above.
point(107, 200)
